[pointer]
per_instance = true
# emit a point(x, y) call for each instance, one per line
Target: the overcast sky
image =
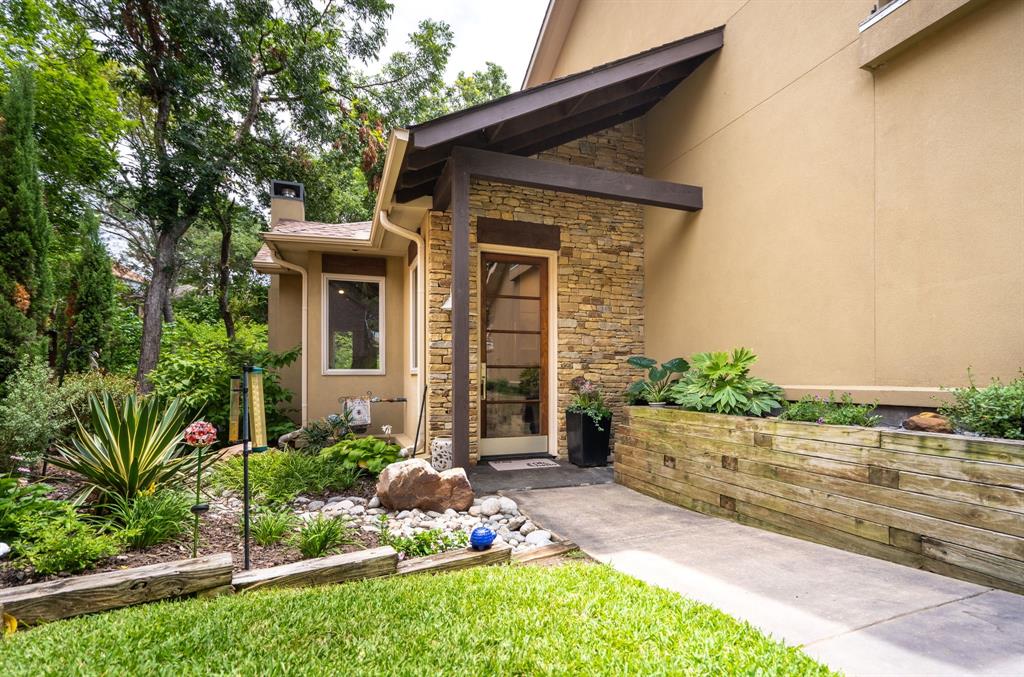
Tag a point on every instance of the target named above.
point(502, 31)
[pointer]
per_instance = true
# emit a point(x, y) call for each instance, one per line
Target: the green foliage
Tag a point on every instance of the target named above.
point(450, 625)
point(723, 384)
point(588, 400)
point(151, 518)
point(371, 454)
point(198, 361)
point(323, 432)
point(269, 527)
point(660, 379)
point(831, 411)
point(89, 306)
point(77, 117)
point(422, 544)
point(133, 448)
point(25, 283)
point(77, 388)
point(279, 476)
point(996, 410)
point(18, 502)
point(125, 336)
point(32, 412)
point(63, 542)
point(322, 535)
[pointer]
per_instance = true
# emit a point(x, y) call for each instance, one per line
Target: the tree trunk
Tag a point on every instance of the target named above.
point(157, 295)
point(224, 277)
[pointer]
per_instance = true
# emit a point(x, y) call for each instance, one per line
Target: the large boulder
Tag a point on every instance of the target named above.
point(929, 422)
point(415, 484)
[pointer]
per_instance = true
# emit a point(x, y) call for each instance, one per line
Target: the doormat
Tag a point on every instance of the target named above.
point(523, 464)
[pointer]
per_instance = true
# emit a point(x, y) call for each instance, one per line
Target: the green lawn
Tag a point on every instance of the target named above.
point(578, 619)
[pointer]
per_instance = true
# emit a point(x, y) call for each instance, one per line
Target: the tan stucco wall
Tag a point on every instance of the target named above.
point(324, 390)
point(859, 229)
point(284, 329)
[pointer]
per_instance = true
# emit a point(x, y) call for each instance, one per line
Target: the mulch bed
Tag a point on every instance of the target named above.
point(218, 532)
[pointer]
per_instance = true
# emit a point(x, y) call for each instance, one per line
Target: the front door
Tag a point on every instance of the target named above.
point(513, 355)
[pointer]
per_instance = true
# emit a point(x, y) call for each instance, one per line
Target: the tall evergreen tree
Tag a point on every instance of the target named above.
point(90, 305)
point(25, 284)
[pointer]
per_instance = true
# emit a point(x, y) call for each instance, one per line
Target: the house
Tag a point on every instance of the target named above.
point(836, 185)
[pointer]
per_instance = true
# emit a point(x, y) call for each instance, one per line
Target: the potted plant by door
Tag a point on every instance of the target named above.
point(588, 425)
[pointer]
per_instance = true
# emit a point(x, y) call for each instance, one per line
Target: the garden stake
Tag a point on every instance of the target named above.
point(200, 435)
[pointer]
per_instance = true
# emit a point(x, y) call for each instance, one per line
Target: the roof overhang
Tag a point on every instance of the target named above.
point(546, 50)
point(533, 120)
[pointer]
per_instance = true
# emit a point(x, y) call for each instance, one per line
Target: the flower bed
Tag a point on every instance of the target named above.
point(950, 504)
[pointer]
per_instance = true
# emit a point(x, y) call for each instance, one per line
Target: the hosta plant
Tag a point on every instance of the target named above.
point(721, 383)
point(660, 379)
point(129, 449)
point(371, 454)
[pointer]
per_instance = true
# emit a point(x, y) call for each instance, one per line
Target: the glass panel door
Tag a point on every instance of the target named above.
point(513, 364)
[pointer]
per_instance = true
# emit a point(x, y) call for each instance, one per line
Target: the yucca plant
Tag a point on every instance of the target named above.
point(135, 448)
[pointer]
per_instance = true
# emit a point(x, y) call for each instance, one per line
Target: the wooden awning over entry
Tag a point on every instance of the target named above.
point(542, 117)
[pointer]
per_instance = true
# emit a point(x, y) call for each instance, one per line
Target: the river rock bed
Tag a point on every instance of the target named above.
point(499, 513)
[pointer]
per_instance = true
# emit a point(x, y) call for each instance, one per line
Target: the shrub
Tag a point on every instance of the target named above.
point(197, 362)
point(660, 379)
point(723, 384)
point(76, 389)
point(149, 519)
point(424, 543)
point(371, 454)
point(280, 476)
point(269, 527)
point(996, 410)
point(31, 414)
point(18, 501)
point(831, 411)
point(63, 543)
point(322, 535)
point(136, 447)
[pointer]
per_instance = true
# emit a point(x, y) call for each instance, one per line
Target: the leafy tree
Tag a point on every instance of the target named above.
point(25, 286)
point(89, 306)
point(478, 87)
point(201, 80)
point(78, 121)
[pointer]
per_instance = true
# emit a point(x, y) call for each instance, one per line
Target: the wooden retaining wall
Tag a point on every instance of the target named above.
point(949, 504)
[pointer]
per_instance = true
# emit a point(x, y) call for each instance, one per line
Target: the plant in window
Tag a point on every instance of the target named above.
point(722, 384)
point(844, 411)
point(996, 410)
point(660, 379)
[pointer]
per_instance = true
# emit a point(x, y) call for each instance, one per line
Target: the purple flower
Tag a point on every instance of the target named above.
point(821, 419)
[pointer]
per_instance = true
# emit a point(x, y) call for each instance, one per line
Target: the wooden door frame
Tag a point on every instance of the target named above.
point(544, 262)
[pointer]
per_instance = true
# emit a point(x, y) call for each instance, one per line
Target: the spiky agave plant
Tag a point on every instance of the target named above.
point(132, 449)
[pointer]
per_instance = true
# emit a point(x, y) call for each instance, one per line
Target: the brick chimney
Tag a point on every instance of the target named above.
point(287, 201)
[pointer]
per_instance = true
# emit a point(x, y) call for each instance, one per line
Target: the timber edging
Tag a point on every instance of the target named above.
point(211, 575)
point(950, 504)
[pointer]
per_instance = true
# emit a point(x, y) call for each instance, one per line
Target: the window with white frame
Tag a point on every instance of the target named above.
point(353, 324)
point(414, 314)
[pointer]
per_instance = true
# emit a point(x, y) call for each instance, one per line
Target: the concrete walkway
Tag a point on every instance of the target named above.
point(857, 614)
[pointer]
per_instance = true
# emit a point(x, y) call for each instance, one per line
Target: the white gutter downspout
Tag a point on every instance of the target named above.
point(276, 256)
point(421, 295)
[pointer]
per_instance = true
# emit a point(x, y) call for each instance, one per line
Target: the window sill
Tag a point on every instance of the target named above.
point(903, 23)
point(353, 372)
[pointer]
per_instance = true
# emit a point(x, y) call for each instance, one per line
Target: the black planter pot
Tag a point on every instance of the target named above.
point(588, 445)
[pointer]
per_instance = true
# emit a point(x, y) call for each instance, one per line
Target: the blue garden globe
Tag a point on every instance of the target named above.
point(481, 538)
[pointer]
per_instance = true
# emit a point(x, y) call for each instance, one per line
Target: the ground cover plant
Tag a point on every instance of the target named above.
point(149, 519)
point(323, 535)
point(269, 527)
point(63, 542)
point(832, 411)
point(997, 410)
point(577, 618)
point(277, 477)
point(424, 543)
point(364, 453)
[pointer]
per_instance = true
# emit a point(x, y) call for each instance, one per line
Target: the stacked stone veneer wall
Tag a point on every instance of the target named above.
point(944, 503)
point(600, 280)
